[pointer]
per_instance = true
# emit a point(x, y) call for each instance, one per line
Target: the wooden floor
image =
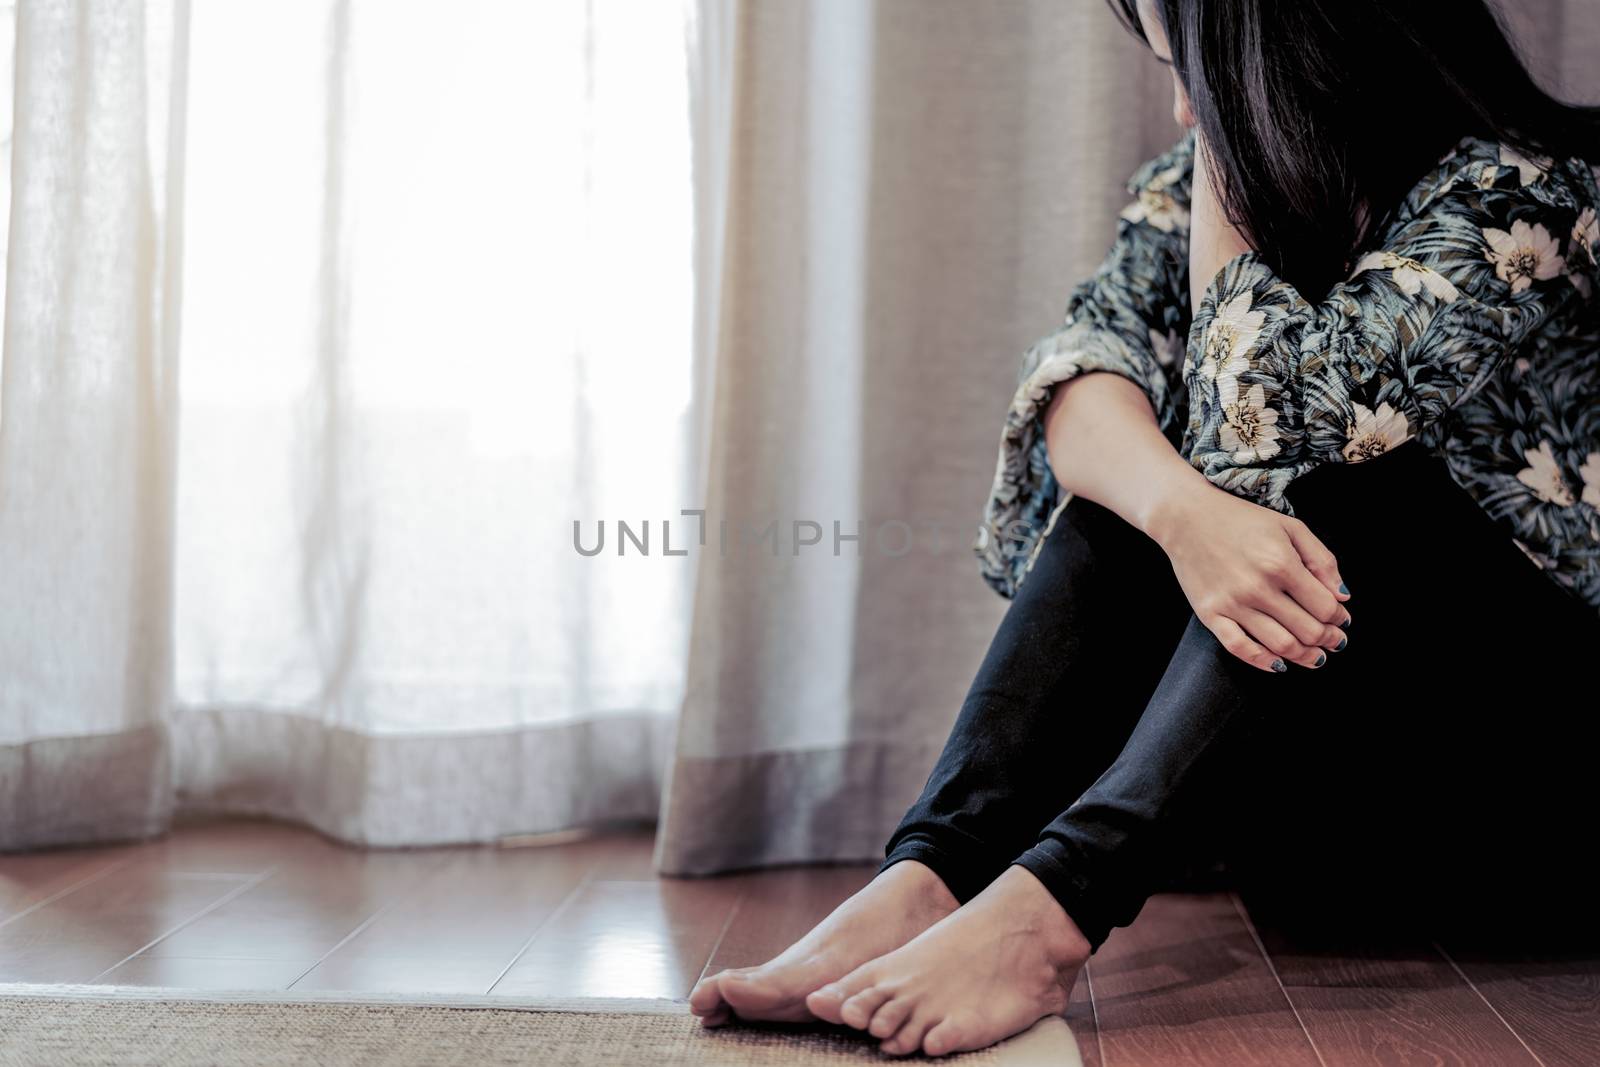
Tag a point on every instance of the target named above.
point(1194, 981)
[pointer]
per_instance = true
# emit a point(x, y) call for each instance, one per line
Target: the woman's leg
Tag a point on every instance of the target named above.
point(1076, 657)
point(1392, 740)
point(1065, 678)
point(1434, 727)
point(1456, 756)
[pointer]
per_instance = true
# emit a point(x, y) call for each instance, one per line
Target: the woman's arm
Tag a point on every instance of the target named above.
point(1262, 583)
point(1128, 320)
point(1471, 265)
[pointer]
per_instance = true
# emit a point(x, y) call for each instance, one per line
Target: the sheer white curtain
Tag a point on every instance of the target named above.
point(324, 323)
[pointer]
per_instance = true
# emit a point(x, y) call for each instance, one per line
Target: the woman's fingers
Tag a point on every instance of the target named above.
point(1307, 590)
point(1266, 587)
point(1240, 644)
point(1271, 634)
point(1303, 625)
point(1318, 560)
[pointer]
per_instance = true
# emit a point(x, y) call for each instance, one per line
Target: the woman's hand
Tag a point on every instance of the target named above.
point(1259, 580)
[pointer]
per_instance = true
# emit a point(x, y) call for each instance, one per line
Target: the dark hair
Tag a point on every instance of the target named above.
point(1310, 108)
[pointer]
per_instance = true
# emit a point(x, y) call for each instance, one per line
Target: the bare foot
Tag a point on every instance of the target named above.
point(992, 969)
point(894, 907)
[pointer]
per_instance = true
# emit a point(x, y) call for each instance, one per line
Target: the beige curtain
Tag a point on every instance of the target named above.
point(905, 192)
point(911, 188)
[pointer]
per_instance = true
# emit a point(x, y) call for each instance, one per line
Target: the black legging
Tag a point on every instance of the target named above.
point(1449, 748)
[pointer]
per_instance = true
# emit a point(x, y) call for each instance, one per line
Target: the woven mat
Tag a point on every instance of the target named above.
point(44, 1025)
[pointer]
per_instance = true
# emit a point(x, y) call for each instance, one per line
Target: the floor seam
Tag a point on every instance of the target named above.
point(1272, 968)
point(443, 862)
point(66, 890)
point(727, 924)
point(1094, 1014)
point(207, 910)
point(1474, 987)
point(583, 883)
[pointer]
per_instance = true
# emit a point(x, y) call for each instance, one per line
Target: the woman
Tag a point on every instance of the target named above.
point(1378, 240)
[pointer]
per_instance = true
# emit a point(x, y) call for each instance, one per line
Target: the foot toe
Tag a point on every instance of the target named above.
point(759, 994)
point(859, 1009)
point(944, 1038)
point(825, 1003)
point(746, 988)
point(897, 1046)
point(716, 1016)
point(707, 993)
point(888, 1018)
point(908, 1038)
point(829, 1001)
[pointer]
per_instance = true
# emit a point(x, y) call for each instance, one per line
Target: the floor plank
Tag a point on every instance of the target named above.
point(625, 939)
point(29, 879)
point(1080, 1016)
point(317, 895)
point(1187, 984)
point(101, 922)
point(777, 907)
point(390, 974)
point(1552, 1004)
point(258, 905)
point(1389, 1003)
point(462, 929)
point(178, 972)
point(238, 846)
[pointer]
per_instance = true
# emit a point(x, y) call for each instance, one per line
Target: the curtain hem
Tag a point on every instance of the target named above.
point(58, 791)
point(771, 808)
point(401, 790)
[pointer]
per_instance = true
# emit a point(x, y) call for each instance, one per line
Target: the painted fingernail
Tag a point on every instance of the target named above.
point(1279, 666)
point(1345, 589)
point(1345, 625)
point(1340, 646)
point(1322, 657)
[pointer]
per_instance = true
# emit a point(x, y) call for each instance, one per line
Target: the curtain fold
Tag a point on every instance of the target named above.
point(434, 312)
point(383, 627)
point(912, 188)
point(88, 420)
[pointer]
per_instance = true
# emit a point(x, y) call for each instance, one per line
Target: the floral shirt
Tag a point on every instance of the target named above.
point(1472, 326)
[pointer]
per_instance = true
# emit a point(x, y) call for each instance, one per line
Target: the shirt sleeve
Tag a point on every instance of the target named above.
point(1279, 384)
point(1129, 318)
